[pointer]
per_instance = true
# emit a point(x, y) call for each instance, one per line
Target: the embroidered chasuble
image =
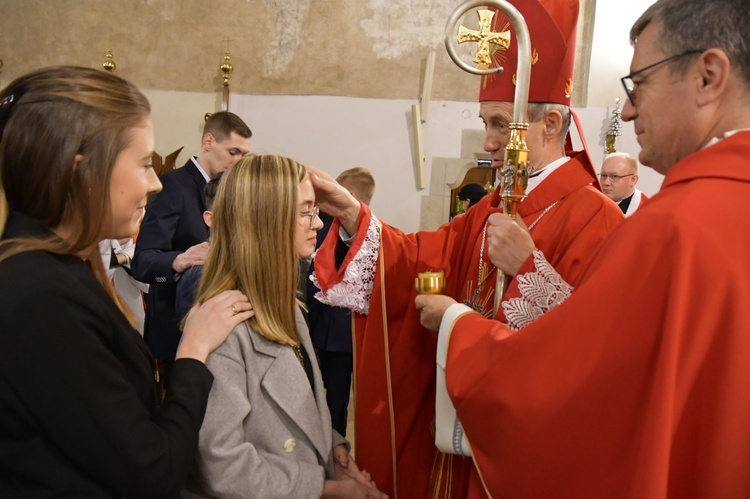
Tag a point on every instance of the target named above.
point(395, 356)
point(638, 386)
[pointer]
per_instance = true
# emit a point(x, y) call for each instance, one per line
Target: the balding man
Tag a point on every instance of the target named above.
point(619, 176)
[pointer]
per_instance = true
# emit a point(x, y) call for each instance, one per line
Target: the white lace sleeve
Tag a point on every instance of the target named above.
point(541, 291)
point(355, 289)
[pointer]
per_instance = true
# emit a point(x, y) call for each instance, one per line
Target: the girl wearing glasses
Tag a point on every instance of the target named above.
point(267, 430)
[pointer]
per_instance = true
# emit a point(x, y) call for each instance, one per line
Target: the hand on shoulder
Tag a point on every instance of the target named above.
point(208, 324)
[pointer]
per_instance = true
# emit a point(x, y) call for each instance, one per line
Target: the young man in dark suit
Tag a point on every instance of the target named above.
point(331, 327)
point(173, 235)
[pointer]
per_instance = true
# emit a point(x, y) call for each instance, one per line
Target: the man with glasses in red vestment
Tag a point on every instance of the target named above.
point(636, 386)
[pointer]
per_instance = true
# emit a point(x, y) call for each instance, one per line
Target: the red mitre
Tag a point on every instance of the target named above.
point(552, 31)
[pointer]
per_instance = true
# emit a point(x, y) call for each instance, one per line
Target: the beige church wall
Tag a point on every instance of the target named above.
point(178, 120)
point(611, 51)
point(329, 82)
point(331, 133)
point(337, 133)
point(360, 48)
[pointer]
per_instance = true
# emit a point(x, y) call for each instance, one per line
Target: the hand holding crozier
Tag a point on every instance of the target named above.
point(509, 243)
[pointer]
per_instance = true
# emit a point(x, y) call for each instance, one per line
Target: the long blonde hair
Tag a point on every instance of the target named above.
point(47, 117)
point(252, 249)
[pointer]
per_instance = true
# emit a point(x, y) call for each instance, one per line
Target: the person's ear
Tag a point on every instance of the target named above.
point(77, 161)
point(208, 218)
point(714, 69)
point(553, 124)
point(208, 141)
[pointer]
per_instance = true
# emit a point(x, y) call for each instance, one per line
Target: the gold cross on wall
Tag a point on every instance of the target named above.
point(484, 37)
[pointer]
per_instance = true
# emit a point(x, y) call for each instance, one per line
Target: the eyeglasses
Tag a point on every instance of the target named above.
point(311, 214)
point(614, 178)
point(628, 83)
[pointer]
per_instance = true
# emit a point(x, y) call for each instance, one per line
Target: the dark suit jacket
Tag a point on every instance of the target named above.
point(187, 289)
point(330, 327)
point(173, 223)
point(78, 414)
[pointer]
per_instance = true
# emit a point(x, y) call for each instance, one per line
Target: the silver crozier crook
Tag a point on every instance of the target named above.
point(514, 174)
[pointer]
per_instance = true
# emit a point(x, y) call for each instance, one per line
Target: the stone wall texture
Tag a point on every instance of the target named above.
point(359, 48)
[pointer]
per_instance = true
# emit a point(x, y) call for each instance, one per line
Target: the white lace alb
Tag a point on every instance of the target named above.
point(355, 289)
point(541, 291)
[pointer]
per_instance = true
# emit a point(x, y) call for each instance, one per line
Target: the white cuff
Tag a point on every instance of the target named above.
point(345, 237)
point(541, 291)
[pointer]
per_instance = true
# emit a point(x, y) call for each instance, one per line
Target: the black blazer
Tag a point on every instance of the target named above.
point(78, 413)
point(330, 327)
point(173, 223)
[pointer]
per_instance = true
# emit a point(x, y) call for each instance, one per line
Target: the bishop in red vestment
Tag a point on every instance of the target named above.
point(638, 385)
point(395, 357)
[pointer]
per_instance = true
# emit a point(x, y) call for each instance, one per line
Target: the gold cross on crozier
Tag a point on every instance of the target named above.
point(484, 37)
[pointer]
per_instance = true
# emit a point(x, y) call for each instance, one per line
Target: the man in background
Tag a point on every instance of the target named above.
point(619, 175)
point(331, 327)
point(173, 234)
point(187, 285)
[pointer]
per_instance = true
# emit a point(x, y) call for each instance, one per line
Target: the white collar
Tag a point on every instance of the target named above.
point(545, 172)
point(635, 203)
point(725, 136)
point(200, 169)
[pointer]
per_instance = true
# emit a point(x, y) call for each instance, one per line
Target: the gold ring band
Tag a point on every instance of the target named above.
point(234, 310)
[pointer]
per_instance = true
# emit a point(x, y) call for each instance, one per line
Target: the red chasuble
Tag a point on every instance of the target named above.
point(395, 356)
point(638, 385)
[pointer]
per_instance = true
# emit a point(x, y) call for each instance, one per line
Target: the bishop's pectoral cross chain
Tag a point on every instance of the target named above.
point(485, 271)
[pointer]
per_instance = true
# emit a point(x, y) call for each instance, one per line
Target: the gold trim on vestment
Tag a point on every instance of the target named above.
point(439, 456)
point(388, 363)
point(479, 471)
point(354, 379)
point(473, 458)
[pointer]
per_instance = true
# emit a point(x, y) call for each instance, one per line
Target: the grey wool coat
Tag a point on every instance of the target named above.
point(266, 434)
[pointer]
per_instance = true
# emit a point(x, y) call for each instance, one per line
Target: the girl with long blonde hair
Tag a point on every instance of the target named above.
point(267, 431)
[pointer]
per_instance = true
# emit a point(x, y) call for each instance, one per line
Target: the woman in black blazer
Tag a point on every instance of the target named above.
point(79, 414)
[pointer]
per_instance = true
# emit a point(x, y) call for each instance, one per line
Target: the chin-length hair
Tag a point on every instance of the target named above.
point(252, 249)
point(47, 118)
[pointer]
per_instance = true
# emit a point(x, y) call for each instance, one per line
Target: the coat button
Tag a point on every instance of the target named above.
point(289, 445)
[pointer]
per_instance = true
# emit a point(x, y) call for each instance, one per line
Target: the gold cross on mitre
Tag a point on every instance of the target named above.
point(484, 37)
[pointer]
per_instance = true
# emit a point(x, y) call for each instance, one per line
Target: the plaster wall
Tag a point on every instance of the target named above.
point(337, 133)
